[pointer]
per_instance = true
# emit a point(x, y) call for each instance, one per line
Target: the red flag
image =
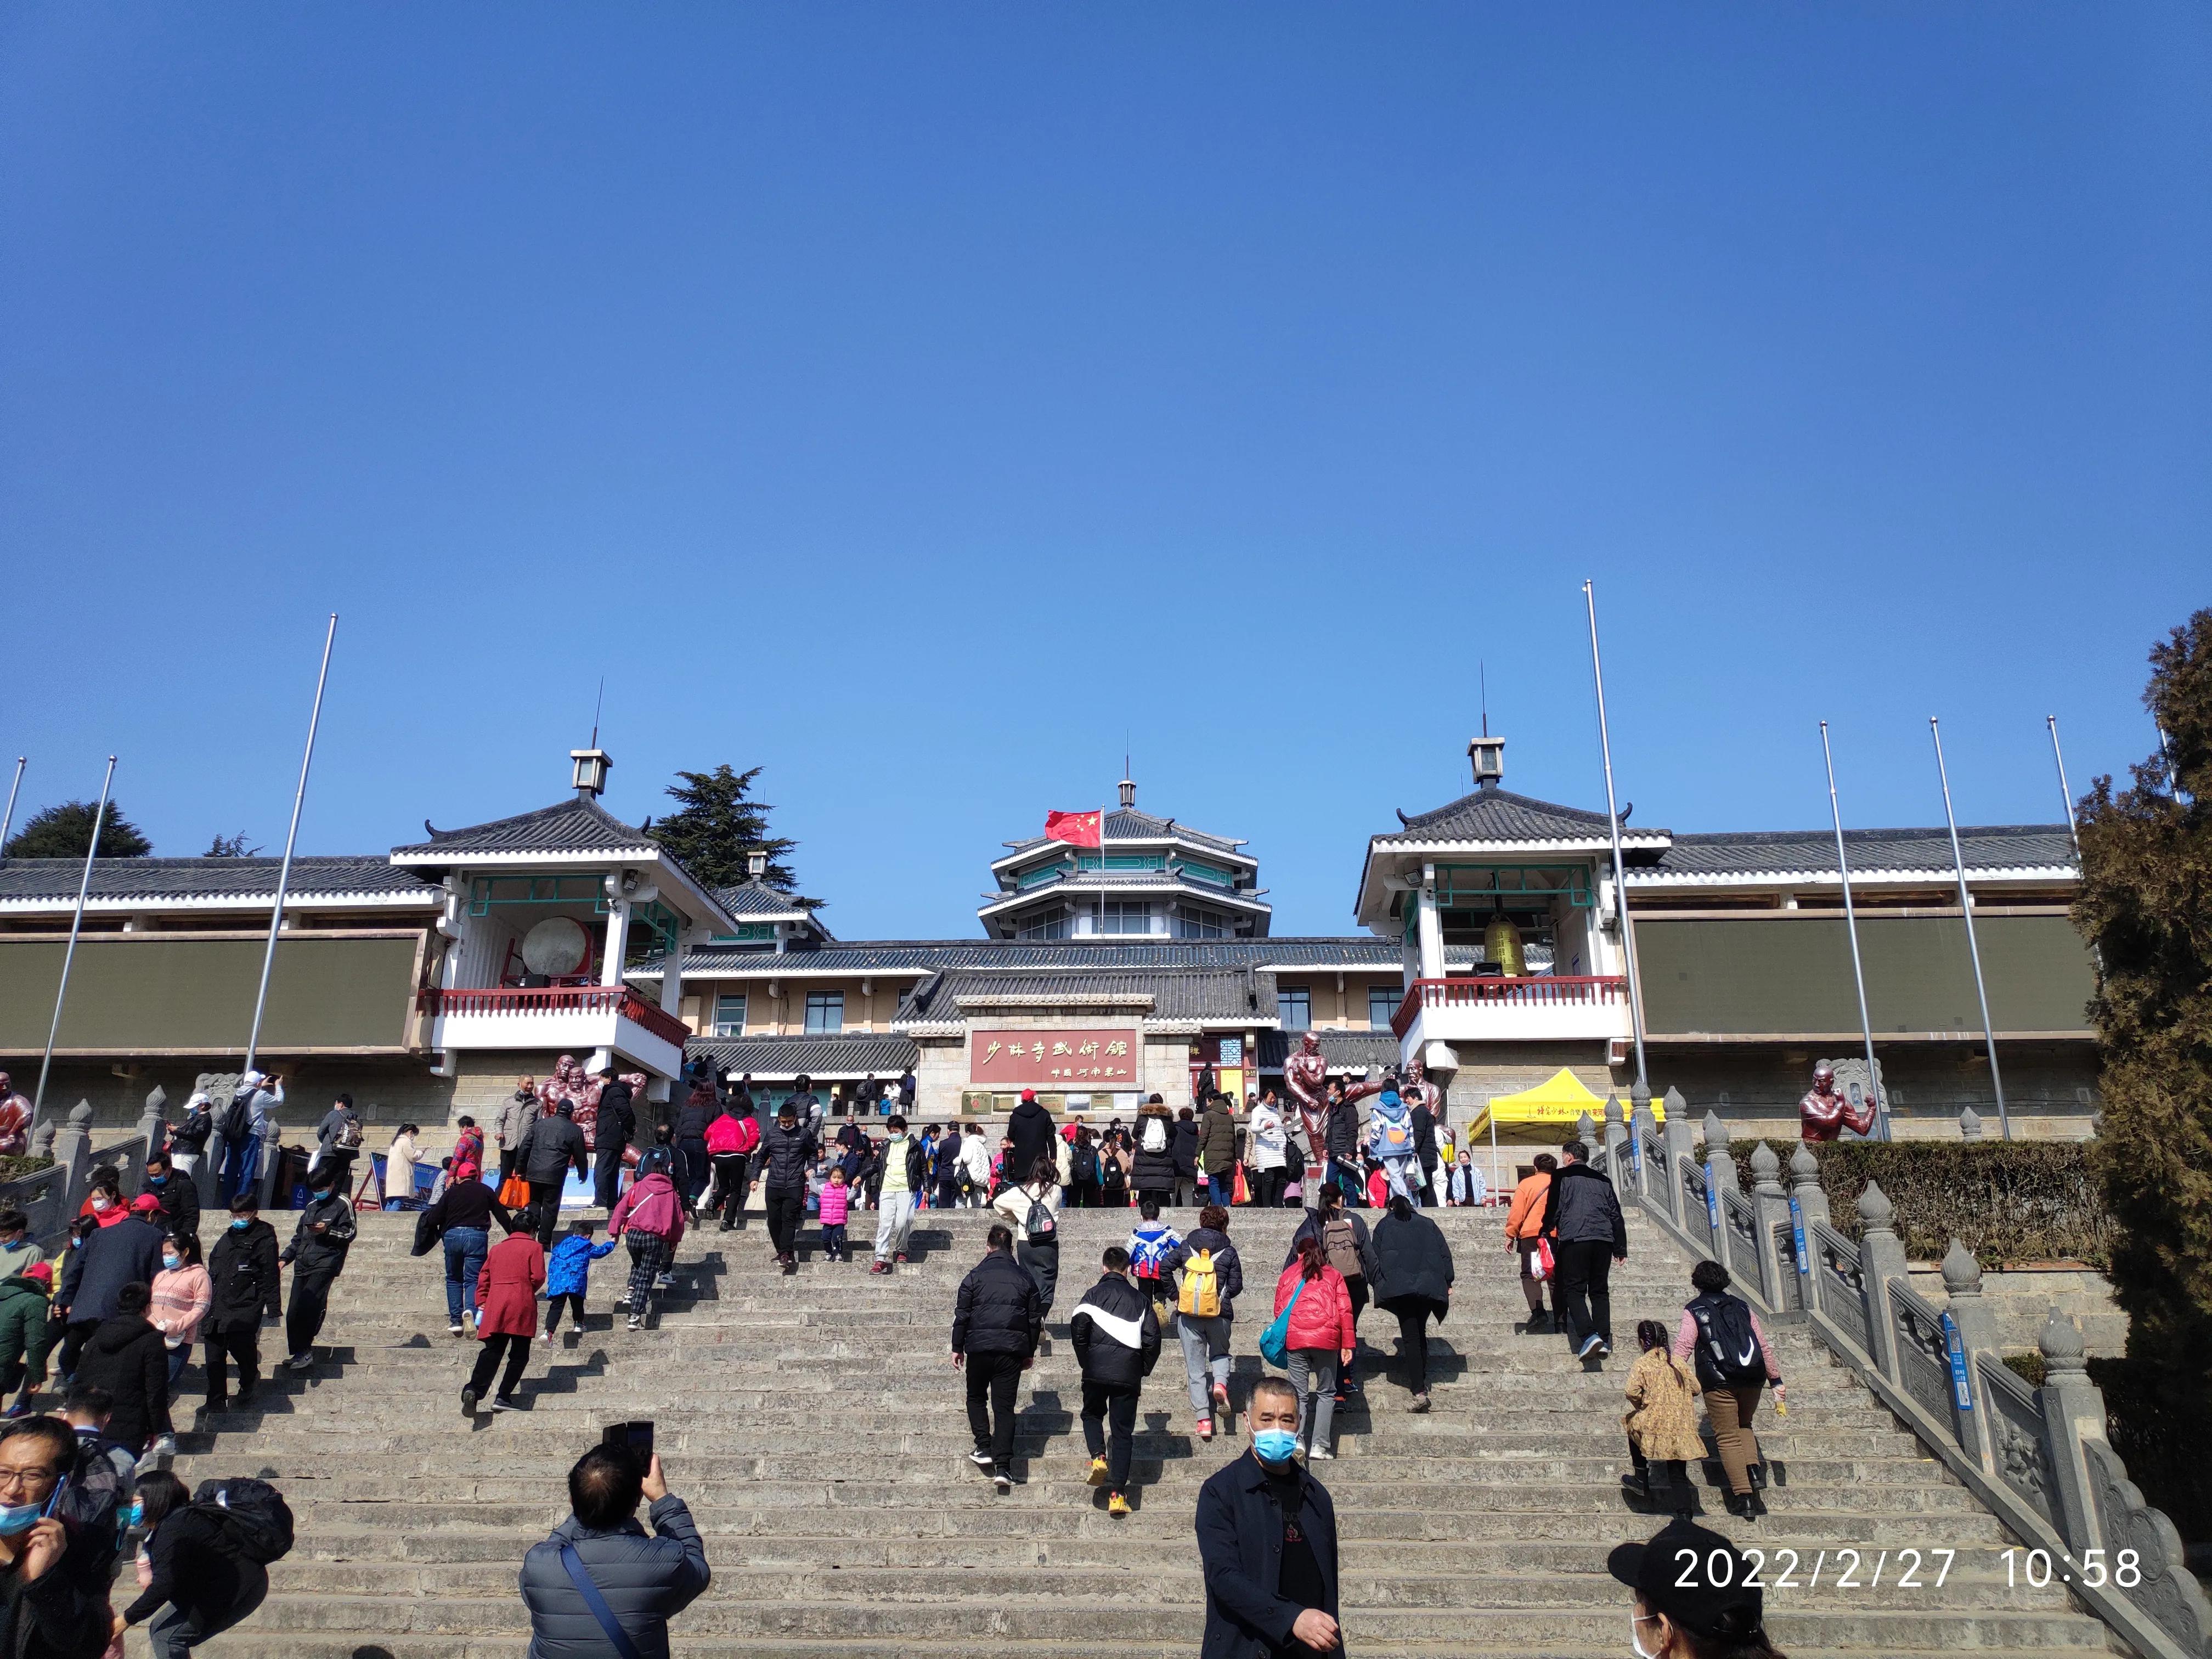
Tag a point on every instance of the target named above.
point(1076, 829)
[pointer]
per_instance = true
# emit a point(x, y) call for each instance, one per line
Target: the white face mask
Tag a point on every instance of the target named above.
point(1635, 1640)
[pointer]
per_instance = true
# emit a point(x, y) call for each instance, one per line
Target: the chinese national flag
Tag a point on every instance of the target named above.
point(1076, 829)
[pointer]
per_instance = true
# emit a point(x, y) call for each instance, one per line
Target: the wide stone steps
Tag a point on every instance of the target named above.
point(814, 1426)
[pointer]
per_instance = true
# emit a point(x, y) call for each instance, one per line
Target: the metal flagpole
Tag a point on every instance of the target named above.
point(9, 817)
point(1851, 926)
point(292, 836)
point(2065, 792)
point(76, 925)
point(1619, 875)
point(1966, 909)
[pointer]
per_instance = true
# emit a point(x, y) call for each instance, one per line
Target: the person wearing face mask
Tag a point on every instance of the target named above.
point(103, 1203)
point(243, 1277)
point(1709, 1608)
point(317, 1255)
point(172, 1190)
point(1266, 1537)
point(197, 1581)
point(44, 1612)
point(126, 1356)
point(27, 1333)
point(182, 1297)
point(127, 1253)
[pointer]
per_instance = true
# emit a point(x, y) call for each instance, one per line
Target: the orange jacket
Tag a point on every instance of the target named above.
point(1526, 1219)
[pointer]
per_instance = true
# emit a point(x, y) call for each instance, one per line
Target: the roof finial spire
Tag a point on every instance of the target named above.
point(1482, 668)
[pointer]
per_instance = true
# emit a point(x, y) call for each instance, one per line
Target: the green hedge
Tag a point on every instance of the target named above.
point(14, 1168)
point(2011, 1202)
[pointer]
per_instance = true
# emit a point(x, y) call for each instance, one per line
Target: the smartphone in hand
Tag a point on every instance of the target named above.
point(637, 1436)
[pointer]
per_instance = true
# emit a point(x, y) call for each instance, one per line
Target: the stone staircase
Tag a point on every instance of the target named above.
point(817, 1429)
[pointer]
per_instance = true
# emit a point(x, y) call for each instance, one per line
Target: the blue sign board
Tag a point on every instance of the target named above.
point(1712, 1199)
point(1962, 1394)
point(1797, 1232)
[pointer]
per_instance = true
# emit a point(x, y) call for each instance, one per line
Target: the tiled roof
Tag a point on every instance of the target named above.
point(1499, 815)
point(577, 825)
point(45, 880)
point(1127, 823)
point(774, 1060)
point(1345, 1051)
point(757, 898)
point(1219, 995)
point(1799, 852)
point(1357, 951)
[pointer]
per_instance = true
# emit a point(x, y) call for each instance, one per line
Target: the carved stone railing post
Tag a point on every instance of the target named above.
point(1586, 1130)
point(73, 1151)
point(1807, 1204)
point(152, 1124)
point(1974, 1325)
point(2073, 1406)
point(1881, 1258)
point(1772, 1205)
point(1681, 1138)
point(1720, 1177)
point(1643, 1130)
point(1618, 1163)
point(1970, 1124)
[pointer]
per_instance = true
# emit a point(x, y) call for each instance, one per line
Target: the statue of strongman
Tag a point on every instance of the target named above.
point(1305, 1074)
point(1826, 1111)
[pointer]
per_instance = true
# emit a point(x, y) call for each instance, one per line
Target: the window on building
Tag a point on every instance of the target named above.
point(1294, 1007)
point(1127, 917)
point(730, 1015)
point(1192, 922)
point(826, 1012)
point(1042, 924)
point(1383, 1002)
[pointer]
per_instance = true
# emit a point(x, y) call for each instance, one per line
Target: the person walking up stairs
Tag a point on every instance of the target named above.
point(1116, 1339)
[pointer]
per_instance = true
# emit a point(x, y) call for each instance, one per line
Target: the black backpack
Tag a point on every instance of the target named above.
point(256, 1522)
point(236, 1117)
point(1728, 1345)
point(1083, 1164)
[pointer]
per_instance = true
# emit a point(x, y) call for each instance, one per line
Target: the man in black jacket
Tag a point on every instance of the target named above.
point(787, 1149)
point(179, 1200)
point(618, 1122)
point(1266, 1537)
point(242, 1276)
point(317, 1255)
point(1582, 1219)
point(129, 1253)
point(1117, 1342)
point(551, 1146)
point(996, 1320)
point(126, 1358)
point(1028, 1126)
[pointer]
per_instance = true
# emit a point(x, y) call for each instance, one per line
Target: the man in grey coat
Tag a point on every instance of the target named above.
point(642, 1580)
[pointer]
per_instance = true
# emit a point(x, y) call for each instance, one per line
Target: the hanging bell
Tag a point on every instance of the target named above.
point(1501, 944)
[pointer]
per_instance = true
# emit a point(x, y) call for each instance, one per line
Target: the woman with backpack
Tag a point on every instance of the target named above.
point(1735, 1363)
point(1319, 1339)
point(1033, 1210)
point(202, 1567)
point(1113, 1175)
point(1211, 1277)
point(1083, 1171)
point(650, 1213)
point(1152, 1172)
point(1415, 1285)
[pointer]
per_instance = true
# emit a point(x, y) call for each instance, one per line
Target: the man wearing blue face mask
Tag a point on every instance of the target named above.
point(1267, 1536)
point(43, 1609)
point(242, 1281)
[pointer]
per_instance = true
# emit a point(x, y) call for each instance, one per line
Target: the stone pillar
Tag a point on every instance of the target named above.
point(1720, 1177)
point(1617, 1164)
point(2074, 1409)
point(1805, 1189)
point(1680, 1140)
point(1881, 1258)
point(1976, 1322)
point(73, 1153)
point(153, 1123)
point(1586, 1130)
point(1772, 1205)
point(671, 980)
point(1970, 1124)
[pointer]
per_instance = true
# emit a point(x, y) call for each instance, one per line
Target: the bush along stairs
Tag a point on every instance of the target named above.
point(815, 1427)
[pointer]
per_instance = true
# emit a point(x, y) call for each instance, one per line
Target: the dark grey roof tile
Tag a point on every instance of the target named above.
point(1501, 815)
point(577, 825)
point(836, 1059)
point(1789, 851)
point(244, 879)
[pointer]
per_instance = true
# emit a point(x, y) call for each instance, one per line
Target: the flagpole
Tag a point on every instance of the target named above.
point(9, 817)
point(1851, 926)
point(291, 839)
point(2065, 792)
point(1619, 872)
point(1966, 910)
point(76, 927)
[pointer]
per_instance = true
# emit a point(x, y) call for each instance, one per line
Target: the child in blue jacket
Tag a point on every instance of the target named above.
point(569, 1274)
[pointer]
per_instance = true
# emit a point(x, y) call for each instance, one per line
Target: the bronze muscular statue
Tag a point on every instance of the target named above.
point(1826, 1111)
point(1305, 1074)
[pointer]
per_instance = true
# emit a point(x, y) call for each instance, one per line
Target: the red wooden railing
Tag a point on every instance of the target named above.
point(557, 999)
point(1534, 991)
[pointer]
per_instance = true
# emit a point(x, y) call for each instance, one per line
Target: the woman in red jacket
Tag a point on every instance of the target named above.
point(506, 1315)
point(1321, 1338)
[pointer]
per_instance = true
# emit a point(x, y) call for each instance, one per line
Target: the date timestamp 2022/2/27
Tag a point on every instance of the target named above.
point(1902, 1569)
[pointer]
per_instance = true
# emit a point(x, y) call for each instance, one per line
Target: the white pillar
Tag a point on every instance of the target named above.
point(1432, 925)
point(671, 977)
point(611, 969)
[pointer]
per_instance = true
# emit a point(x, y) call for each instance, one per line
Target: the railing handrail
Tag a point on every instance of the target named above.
point(1577, 990)
point(621, 999)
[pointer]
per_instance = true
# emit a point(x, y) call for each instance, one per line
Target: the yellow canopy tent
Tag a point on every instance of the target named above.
point(1544, 1116)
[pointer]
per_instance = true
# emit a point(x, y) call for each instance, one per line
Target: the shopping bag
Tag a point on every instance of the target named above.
point(1275, 1340)
point(1241, 1191)
point(1541, 1268)
point(513, 1192)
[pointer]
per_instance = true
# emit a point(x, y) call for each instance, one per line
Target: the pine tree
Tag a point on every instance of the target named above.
point(229, 846)
point(717, 826)
point(2145, 905)
point(65, 831)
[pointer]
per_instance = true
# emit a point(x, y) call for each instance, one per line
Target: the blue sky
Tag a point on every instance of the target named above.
point(920, 402)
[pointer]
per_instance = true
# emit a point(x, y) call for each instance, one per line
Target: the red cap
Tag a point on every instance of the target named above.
point(41, 1271)
point(1028, 1094)
point(145, 1204)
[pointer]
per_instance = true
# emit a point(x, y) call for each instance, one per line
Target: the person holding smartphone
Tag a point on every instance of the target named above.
point(602, 1583)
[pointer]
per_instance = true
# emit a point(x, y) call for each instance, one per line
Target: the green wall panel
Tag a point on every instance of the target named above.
point(145, 993)
point(1741, 975)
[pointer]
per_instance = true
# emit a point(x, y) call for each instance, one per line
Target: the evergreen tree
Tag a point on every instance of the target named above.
point(2145, 905)
point(230, 846)
point(717, 825)
point(65, 831)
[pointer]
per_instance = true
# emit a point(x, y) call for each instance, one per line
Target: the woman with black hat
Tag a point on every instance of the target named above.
point(1696, 1598)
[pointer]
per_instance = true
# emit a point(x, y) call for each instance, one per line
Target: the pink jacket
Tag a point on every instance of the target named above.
point(727, 1134)
point(651, 1205)
point(1322, 1318)
point(836, 1205)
